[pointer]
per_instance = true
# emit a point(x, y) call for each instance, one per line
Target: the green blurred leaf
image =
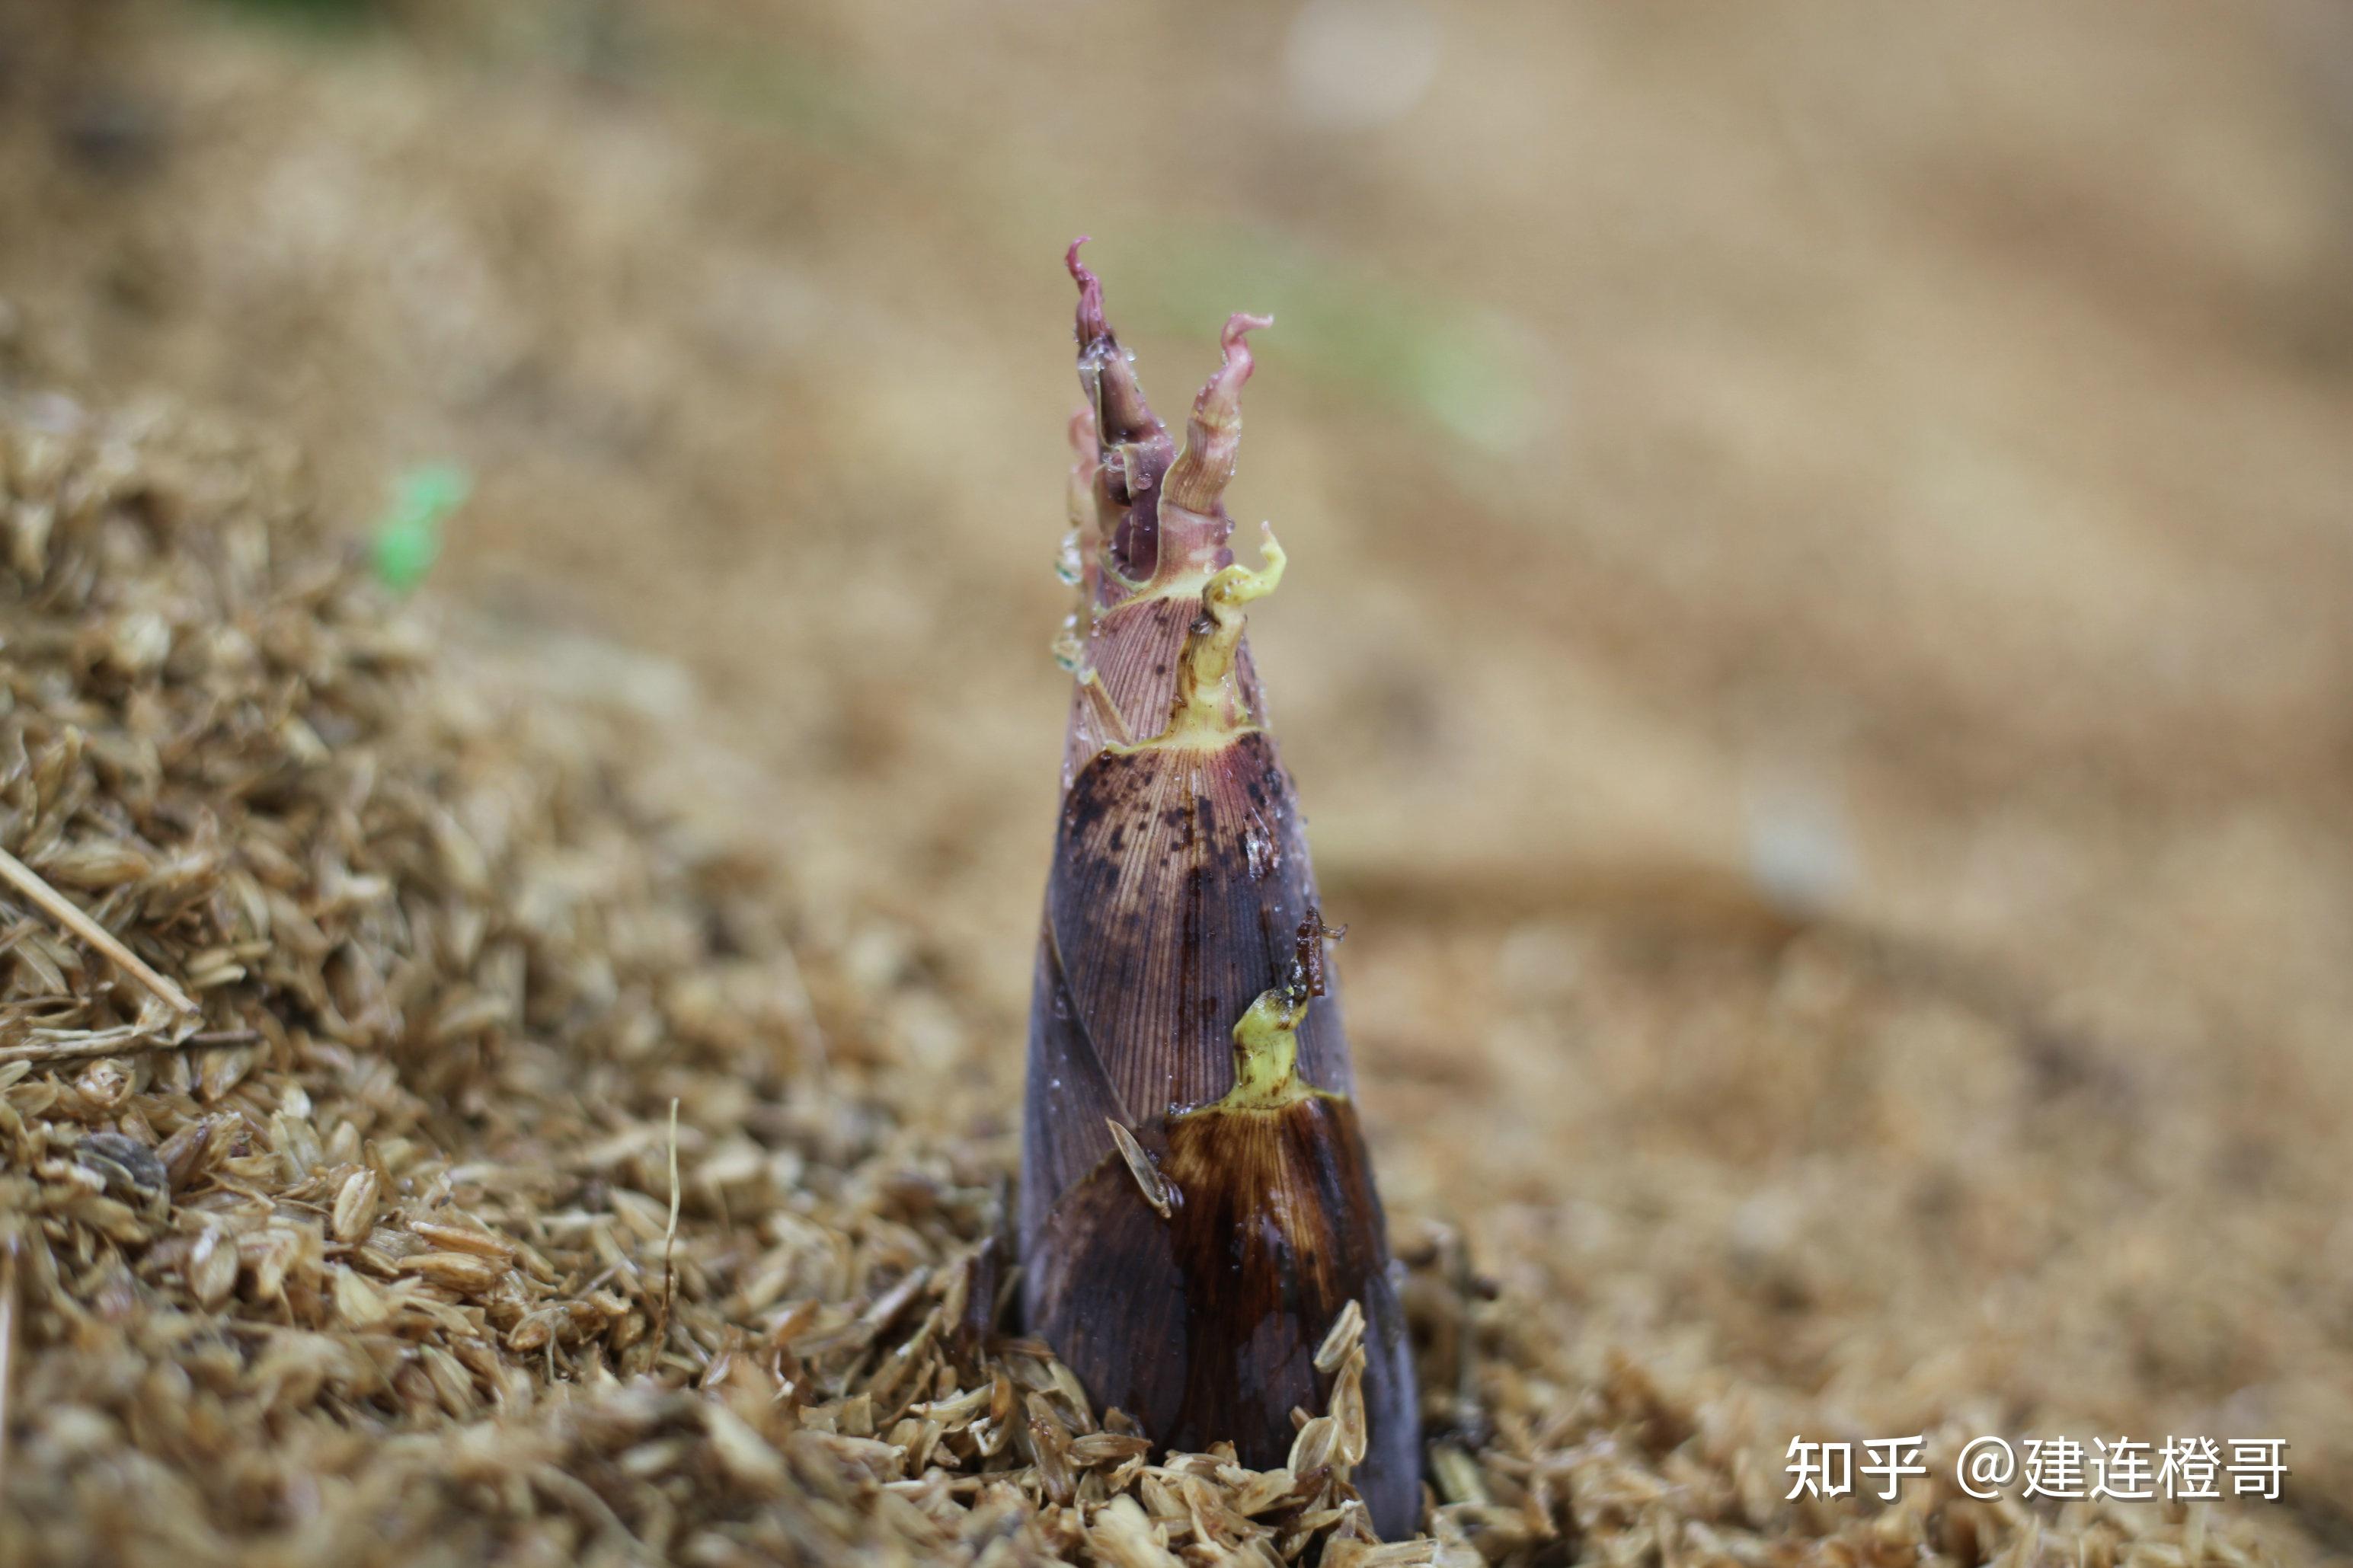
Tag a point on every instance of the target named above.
point(408, 535)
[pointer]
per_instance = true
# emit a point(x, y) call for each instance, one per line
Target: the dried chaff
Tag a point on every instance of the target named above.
point(505, 1205)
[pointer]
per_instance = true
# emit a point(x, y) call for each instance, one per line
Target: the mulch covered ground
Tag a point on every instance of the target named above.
point(1815, 656)
point(522, 1183)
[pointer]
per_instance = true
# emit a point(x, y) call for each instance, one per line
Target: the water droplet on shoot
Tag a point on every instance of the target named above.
point(1069, 648)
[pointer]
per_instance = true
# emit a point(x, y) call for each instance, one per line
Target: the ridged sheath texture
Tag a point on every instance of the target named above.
point(1198, 1213)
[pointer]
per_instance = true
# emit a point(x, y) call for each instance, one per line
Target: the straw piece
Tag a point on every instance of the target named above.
point(1139, 1165)
point(65, 914)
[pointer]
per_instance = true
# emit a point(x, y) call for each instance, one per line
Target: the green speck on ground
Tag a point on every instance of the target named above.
point(408, 536)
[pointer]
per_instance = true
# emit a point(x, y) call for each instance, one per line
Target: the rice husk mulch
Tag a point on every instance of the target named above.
point(542, 1183)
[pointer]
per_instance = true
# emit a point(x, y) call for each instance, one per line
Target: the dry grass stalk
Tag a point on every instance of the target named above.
point(73, 1044)
point(67, 913)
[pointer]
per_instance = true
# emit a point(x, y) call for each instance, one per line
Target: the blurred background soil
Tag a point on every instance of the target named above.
point(1819, 649)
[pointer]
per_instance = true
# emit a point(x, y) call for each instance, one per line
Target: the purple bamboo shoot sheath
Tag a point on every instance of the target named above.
point(1197, 1215)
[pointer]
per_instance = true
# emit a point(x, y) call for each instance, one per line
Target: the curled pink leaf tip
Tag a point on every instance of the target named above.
point(1240, 325)
point(1219, 398)
point(1092, 324)
point(1200, 474)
